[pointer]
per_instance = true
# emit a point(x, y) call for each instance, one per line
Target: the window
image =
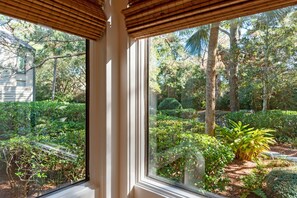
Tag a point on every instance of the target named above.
point(222, 106)
point(43, 111)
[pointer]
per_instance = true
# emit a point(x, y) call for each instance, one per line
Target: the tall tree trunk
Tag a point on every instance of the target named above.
point(265, 97)
point(54, 79)
point(265, 93)
point(233, 69)
point(211, 80)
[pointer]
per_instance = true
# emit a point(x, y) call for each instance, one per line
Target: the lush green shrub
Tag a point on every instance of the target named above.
point(27, 128)
point(191, 103)
point(169, 103)
point(223, 102)
point(20, 118)
point(177, 145)
point(181, 113)
point(282, 183)
point(283, 122)
point(30, 165)
point(253, 182)
point(247, 143)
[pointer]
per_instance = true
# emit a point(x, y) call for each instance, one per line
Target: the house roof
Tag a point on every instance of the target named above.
point(11, 38)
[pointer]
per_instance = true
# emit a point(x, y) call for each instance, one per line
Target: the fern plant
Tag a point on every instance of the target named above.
point(247, 143)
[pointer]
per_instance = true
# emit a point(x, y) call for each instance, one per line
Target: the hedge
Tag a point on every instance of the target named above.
point(184, 141)
point(282, 183)
point(180, 113)
point(283, 122)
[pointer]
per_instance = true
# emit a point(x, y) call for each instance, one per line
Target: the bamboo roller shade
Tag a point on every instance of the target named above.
point(145, 18)
point(84, 18)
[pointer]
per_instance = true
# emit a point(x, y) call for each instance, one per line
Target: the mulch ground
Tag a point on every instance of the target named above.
point(238, 169)
point(284, 149)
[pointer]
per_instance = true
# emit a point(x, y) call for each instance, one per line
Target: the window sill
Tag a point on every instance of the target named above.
point(150, 186)
point(84, 190)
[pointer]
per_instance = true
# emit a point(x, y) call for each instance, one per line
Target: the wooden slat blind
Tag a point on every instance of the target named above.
point(84, 18)
point(145, 18)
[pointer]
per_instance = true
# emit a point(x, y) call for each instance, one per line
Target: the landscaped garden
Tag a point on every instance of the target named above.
point(235, 161)
point(223, 107)
point(43, 114)
point(42, 146)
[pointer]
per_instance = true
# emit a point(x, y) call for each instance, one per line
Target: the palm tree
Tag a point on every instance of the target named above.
point(207, 36)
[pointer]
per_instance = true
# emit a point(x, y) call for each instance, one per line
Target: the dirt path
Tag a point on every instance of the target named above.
point(5, 190)
point(234, 172)
point(284, 149)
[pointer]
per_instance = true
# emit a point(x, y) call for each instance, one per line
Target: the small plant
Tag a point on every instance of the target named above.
point(247, 143)
point(253, 183)
point(293, 142)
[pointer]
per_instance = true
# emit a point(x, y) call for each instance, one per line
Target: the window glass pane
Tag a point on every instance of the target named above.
point(223, 106)
point(42, 109)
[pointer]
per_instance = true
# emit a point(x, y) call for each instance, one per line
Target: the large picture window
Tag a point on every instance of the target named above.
point(222, 106)
point(43, 109)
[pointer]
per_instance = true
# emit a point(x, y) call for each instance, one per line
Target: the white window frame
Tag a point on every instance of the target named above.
point(136, 146)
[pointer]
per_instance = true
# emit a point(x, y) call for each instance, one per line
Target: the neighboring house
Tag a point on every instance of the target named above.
point(16, 71)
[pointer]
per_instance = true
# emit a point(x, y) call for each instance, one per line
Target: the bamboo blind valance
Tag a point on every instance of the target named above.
point(84, 18)
point(145, 18)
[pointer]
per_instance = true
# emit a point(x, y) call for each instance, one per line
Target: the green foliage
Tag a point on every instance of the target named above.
point(293, 142)
point(283, 122)
point(45, 118)
point(247, 143)
point(28, 130)
point(223, 103)
point(282, 183)
point(253, 182)
point(181, 113)
point(177, 145)
point(169, 103)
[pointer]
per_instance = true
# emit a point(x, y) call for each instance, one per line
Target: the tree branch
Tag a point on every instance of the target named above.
point(57, 57)
point(225, 31)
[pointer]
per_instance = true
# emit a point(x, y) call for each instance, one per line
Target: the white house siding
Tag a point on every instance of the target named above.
point(14, 86)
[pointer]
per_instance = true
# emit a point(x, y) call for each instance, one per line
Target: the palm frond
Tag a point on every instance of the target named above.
point(198, 42)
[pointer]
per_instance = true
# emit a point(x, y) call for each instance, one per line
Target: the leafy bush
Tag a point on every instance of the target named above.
point(30, 167)
point(282, 183)
point(177, 145)
point(169, 103)
point(223, 102)
point(253, 182)
point(181, 113)
point(28, 130)
point(247, 143)
point(293, 142)
point(192, 102)
point(283, 122)
point(20, 118)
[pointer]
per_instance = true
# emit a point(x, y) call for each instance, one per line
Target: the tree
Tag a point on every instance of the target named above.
point(59, 59)
point(265, 51)
point(207, 36)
